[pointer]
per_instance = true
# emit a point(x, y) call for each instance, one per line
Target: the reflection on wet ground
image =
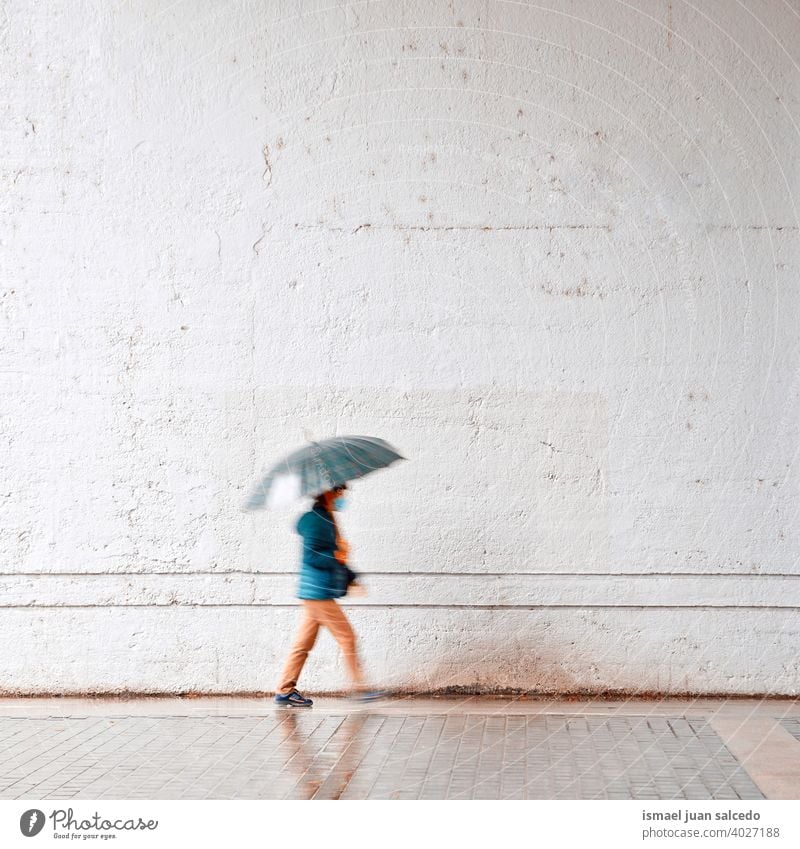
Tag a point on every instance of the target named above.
point(388, 752)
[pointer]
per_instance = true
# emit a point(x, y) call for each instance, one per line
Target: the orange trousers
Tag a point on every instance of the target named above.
point(317, 612)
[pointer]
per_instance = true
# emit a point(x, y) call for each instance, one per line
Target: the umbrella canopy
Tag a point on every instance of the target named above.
point(319, 466)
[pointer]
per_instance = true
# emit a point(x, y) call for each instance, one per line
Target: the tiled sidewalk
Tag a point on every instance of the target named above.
point(471, 748)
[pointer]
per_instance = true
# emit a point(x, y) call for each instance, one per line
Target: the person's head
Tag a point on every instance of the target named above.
point(333, 499)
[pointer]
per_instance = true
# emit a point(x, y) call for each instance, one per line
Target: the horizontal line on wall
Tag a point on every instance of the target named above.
point(542, 590)
point(299, 225)
point(421, 574)
point(426, 606)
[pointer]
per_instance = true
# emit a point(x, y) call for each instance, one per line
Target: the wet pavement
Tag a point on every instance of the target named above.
point(401, 748)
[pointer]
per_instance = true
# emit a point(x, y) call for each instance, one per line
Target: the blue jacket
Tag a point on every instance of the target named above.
point(321, 574)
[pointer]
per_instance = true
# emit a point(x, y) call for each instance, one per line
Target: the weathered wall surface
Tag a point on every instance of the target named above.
point(548, 250)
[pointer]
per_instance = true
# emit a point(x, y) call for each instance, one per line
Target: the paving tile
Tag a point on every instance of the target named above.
point(379, 754)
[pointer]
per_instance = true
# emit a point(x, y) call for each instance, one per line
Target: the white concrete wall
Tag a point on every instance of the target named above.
point(548, 250)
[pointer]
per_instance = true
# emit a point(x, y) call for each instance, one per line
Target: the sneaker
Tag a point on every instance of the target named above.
point(369, 696)
point(293, 699)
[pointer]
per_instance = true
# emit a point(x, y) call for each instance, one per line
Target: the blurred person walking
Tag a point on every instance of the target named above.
point(324, 577)
point(322, 469)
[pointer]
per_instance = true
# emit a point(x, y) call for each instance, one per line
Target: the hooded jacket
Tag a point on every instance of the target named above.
point(322, 575)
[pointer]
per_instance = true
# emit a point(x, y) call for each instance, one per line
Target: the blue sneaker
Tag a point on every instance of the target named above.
point(293, 699)
point(370, 696)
